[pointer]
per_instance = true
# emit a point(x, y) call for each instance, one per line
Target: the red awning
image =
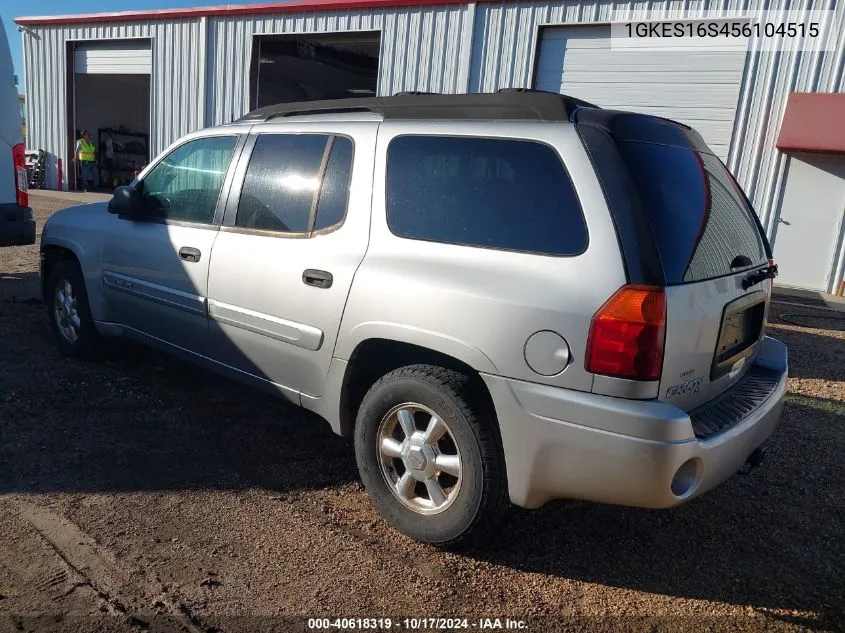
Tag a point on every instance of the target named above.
point(813, 122)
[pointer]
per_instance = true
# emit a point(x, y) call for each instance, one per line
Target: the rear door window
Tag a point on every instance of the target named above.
point(492, 193)
point(296, 183)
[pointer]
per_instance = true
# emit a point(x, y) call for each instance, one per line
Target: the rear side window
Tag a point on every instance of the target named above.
point(296, 183)
point(699, 220)
point(492, 193)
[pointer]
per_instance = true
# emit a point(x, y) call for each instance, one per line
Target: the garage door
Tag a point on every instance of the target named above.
point(699, 88)
point(113, 58)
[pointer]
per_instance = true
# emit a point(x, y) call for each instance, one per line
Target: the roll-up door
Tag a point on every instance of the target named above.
point(697, 87)
point(113, 58)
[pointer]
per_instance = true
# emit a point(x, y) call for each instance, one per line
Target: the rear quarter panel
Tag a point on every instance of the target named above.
point(481, 305)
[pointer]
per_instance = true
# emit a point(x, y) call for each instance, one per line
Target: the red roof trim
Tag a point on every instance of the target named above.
point(813, 122)
point(227, 9)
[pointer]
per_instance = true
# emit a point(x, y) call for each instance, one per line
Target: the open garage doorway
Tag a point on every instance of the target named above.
point(111, 100)
point(314, 67)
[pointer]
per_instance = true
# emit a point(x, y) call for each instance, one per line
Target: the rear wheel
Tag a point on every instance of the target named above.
point(69, 313)
point(430, 455)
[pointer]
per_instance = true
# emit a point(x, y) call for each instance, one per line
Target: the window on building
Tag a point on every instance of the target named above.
point(285, 189)
point(493, 193)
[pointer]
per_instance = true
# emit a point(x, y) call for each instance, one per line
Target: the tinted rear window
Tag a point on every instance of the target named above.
point(492, 193)
point(700, 220)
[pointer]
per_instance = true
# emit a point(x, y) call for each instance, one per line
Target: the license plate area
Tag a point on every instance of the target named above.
point(739, 332)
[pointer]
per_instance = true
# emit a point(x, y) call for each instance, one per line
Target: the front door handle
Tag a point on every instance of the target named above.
point(317, 278)
point(189, 254)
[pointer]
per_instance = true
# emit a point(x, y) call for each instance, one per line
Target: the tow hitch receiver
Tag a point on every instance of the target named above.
point(754, 460)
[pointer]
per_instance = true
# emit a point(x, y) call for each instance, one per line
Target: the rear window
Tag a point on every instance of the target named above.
point(492, 193)
point(702, 225)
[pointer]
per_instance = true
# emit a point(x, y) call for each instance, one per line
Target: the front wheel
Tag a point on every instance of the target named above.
point(69, 312)
point(430, 455)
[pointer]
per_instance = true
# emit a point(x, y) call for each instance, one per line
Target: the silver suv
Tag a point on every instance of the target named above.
point(505, 297)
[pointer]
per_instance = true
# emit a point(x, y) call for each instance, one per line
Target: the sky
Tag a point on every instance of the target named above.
point(11, 9)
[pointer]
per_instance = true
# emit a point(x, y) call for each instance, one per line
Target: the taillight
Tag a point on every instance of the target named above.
point(627, 334)
point(21, 179)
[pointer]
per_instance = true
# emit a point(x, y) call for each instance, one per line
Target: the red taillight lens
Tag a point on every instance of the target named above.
point(627, 334)
point(21, 179)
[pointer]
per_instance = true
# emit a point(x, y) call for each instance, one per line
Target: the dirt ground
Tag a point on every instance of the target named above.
point(140, 493)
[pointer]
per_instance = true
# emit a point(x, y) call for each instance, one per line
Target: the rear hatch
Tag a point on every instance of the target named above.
point(685, 225)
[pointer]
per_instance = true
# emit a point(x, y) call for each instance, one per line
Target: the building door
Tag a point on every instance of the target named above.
point(699, 88)
point(810, 222)
point(113, 57)
point(111, 100)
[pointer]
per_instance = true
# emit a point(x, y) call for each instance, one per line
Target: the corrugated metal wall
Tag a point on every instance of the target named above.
point(422, 48)
point(505, 43)
point(201, 67)
point(175, 87)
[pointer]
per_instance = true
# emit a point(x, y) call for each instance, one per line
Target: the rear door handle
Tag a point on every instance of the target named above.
point(189, 254)
point(317, 278)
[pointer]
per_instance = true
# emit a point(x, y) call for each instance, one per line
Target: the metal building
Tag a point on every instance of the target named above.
point(143, 79)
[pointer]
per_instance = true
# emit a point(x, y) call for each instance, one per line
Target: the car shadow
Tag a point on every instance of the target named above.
point(142, 420)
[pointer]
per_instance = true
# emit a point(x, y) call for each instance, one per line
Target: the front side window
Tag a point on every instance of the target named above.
point(296, 183)
point(186, 184)
point(502, 194)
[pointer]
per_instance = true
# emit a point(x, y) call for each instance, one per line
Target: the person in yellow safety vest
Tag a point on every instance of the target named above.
point(86, 156)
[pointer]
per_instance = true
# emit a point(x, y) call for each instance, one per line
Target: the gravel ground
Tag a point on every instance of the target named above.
point(140, 493)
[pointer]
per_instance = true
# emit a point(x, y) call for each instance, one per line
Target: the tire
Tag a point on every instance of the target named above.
point(476, 498)
point(88, 342)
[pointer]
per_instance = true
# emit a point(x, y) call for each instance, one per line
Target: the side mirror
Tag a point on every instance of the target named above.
point(125, 201)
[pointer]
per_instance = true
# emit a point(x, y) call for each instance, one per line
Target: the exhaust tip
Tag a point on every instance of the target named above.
point(686, 478)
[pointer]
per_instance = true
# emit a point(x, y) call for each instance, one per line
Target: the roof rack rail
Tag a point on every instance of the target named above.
point(519, 104)
point(405, 93)
point(575, 100)
point(532, 90)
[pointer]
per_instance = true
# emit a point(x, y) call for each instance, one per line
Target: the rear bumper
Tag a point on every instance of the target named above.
point(17, 226)
point(564, 444)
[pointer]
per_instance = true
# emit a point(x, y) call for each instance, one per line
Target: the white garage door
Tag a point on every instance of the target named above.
point(698, 88)
point(113, 58)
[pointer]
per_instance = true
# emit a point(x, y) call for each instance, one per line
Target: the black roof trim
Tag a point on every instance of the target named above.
point(516, 104)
